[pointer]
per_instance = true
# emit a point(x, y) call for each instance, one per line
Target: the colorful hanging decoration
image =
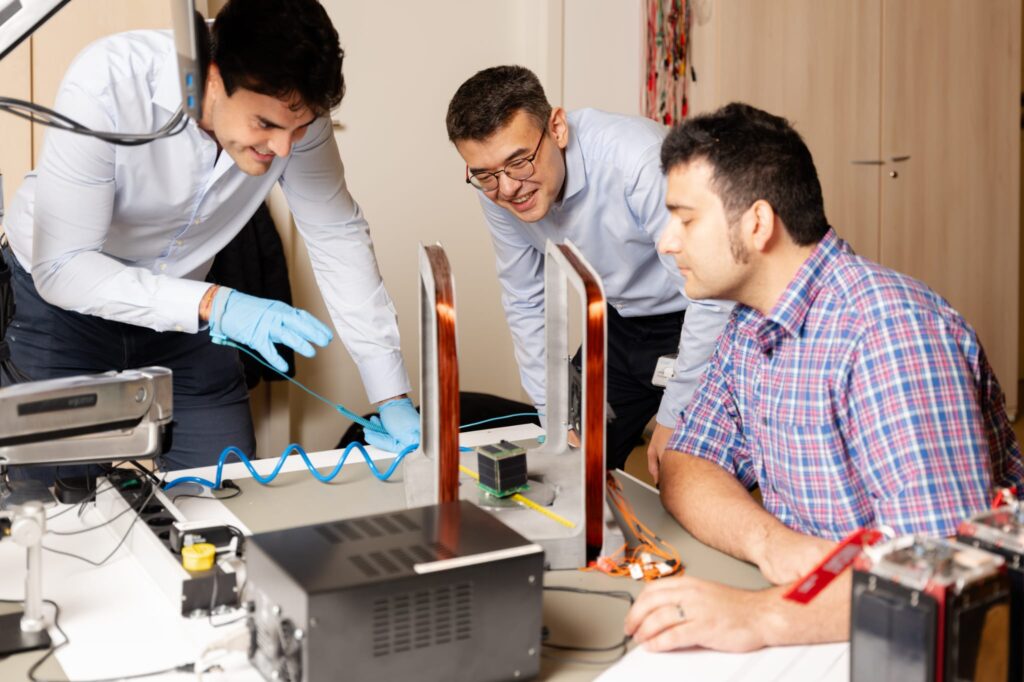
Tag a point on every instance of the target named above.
point(667, 52)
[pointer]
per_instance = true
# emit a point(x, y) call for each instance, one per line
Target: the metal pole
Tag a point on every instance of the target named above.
point(27, 530)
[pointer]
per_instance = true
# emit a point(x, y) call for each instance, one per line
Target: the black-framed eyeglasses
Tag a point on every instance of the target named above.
point(517, 169)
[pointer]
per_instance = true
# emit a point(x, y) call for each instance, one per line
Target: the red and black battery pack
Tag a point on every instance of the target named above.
point(1001, 531)
point(929, 610)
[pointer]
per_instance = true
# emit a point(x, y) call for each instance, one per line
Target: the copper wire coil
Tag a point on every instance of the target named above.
point(593, 416)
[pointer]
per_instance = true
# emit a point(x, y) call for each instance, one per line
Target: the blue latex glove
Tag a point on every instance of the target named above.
point(402, 423)
point(259, 323)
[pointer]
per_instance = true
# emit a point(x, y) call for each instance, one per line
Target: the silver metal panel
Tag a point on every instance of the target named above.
point(102, 417)
point(555, 462)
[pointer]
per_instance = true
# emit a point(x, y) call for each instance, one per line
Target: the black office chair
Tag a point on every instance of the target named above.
point(473, 407)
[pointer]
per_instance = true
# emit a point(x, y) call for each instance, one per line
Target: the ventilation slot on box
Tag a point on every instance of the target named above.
point(365, 528)
point(422, 619)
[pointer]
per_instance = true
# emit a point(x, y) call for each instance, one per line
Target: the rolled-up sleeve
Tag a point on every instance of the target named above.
point(702, 326)
point(341, 253)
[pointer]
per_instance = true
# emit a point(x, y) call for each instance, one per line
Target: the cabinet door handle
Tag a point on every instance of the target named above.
point(867, 162)
point(899, 159)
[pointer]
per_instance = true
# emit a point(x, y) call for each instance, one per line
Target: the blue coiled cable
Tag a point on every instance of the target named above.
point(295, 447)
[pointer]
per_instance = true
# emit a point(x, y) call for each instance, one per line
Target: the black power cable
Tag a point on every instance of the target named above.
point(131, 525)
point(48, 117)
point(621, 646)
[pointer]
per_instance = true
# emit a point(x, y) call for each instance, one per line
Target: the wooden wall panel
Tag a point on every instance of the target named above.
point(75, 26)
point(15, 133)
point(951, 212)
point(817, 63)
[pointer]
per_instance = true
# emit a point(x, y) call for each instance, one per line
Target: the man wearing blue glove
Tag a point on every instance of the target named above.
point(111, 245)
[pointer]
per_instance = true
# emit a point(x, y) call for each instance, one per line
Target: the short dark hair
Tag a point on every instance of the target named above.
point(489, 100)
point(753, 155)
point(281, 48)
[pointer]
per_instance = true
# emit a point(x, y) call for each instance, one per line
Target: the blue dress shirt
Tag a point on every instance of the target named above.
point(613, 210)
point(129, 233)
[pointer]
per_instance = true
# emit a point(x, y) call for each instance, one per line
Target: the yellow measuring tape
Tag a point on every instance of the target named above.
point(526, 502)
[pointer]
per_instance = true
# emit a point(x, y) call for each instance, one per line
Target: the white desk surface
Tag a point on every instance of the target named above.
point(120, 623)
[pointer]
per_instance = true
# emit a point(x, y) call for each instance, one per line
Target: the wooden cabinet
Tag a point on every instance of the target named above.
point(950, 212)
point(910, 108)
point(34, 70)
point(57, 42)
point(15, 133)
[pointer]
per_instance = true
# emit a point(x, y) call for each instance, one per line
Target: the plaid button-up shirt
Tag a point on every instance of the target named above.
point(862, 400)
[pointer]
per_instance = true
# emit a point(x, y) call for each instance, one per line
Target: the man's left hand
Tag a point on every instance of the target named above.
point(401, 421)
point(682, 612)
point(656, 448)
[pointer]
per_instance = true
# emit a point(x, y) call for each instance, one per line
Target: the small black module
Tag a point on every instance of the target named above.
point(502, 468)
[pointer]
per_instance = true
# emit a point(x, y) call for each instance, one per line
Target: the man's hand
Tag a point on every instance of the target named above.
point(681, 612)
point(786, 555)
point(676, 613)
point(573, 438)
point(259, 323)
point(400, 420)
point(656, 448)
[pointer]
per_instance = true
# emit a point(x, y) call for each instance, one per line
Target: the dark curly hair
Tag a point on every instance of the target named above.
point(281, 48)
point(754, 155)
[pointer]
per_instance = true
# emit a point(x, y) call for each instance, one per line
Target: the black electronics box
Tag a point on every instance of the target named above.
point(1001, 531)
point(927, 609)
point(444, 592)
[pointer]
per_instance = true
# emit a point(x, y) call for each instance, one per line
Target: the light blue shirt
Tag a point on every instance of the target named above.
point(613, 210)
point(129, 233)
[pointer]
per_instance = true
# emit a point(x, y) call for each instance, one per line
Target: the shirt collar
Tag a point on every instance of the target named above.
point(575, 168)
point(790, 312)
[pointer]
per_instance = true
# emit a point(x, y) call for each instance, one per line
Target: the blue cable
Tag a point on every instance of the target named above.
point(495, 419)
point(216, 483)
point(365, 423)
point(280, 462)
point(264, 480)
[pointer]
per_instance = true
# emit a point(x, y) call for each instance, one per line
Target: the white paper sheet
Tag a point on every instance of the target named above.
point(826, 662)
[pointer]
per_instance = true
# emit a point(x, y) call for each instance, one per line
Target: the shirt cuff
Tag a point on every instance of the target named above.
point(384, 376)
point(179, 300)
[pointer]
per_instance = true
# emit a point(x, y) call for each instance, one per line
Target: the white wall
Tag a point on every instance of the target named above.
point(404, 60)
point(603, 55)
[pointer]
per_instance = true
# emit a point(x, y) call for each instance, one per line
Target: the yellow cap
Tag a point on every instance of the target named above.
point(198, 557)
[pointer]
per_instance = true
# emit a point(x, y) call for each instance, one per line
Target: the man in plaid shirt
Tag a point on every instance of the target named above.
point(851, 395)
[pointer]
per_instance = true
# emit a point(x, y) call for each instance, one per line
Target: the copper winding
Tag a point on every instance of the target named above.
point(594, 400)
point(448, 375)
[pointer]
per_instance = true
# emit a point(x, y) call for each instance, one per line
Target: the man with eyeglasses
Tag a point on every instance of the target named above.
point(593, 178)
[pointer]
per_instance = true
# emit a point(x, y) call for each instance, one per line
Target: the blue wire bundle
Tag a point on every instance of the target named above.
point(295, 447)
